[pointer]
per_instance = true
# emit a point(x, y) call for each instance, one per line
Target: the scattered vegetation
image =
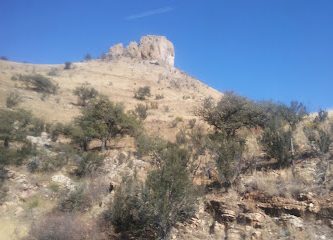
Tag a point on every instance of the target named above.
point(141, 110)
point(150, 210)
point(15, 125)
point(75, 200)
point(38, 82)
point(319, 133)
point(68, 65)
point(88, 163)
point(60, 226)
point(142, 93)
point(85, 93)
point(159, 96)
point(13, 99)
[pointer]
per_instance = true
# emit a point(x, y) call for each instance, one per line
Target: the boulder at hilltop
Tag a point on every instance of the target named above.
point(156, 49)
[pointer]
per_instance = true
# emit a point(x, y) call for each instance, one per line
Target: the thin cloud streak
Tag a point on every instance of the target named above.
point(149, 13)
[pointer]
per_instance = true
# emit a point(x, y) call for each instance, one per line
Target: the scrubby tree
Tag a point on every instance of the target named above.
point(149, 211)
point(280, 125)
point(321, 117)
point(170, 191)
point(85, 93)
point(103, 120)
point(231, 113)
point(276, 143)
point(14, 125)
point(319, 132)
point(293, 114)
point(227, 117)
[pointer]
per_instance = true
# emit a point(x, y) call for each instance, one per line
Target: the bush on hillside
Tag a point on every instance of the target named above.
point(142, 93)
point(13, 99)
point(68, 65)
point(276, 144)
point(76, 200)
point(60, 226)
point(89, 163)
point(15, 125)
point(85, 93)
point(38, 83)
point(150, 210)
point(141, 111)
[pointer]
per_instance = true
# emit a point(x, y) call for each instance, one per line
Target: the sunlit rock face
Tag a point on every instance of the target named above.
point(157, 49)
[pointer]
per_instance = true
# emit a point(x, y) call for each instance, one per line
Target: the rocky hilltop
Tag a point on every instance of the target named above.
point(156, 49)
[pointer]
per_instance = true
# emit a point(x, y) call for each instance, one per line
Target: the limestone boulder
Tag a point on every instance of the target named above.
point(116, 51)
point(157, 48)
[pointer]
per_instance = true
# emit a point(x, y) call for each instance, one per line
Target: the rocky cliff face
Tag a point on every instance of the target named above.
point(157, 49)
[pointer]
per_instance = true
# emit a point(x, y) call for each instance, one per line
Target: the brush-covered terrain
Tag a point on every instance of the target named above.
point(127, 146)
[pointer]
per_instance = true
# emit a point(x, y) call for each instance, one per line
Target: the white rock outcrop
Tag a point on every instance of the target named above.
point(156, 49)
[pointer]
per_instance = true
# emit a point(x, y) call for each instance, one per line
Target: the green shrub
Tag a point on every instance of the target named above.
point(159, 96)
point(16, 125)
point(85, 93)
point(146, 145)
point(103, 120)
point(16, 156)
point(33, 165)
point(128, 211)
point(13, 99)
point(75, 200)
point(57, 226)
point(228, 157)
point(276, 144)
point(55, 130)
point(39, 83)
point(151, 210)
point(181, 137)
point(89, 163)
point(68, 65)
point(142, 93)
point(141, 111)
point(321, 117)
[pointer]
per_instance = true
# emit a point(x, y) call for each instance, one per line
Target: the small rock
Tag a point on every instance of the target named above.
point(293, 220)
point(63, 181)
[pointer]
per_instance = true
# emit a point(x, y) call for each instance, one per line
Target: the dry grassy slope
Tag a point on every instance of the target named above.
point(117, 80)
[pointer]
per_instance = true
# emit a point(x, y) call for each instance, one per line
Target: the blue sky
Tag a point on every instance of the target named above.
point(264, 49)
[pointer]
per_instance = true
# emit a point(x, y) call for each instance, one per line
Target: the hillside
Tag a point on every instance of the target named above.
point(263, 202)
